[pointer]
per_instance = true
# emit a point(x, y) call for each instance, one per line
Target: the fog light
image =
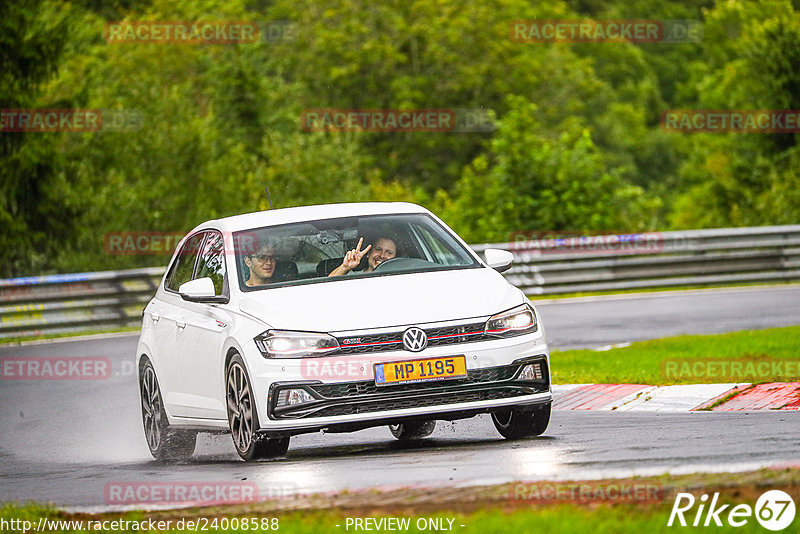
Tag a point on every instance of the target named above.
point(293, 397)
point(531, 371)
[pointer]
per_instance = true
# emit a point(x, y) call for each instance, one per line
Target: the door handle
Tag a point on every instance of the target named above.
point(155, 316)
point(181, 324)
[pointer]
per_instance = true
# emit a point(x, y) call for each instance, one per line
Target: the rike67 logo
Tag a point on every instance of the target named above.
point(774, 510)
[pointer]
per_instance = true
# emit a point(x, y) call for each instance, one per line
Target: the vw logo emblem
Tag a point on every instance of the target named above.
point(414, 339)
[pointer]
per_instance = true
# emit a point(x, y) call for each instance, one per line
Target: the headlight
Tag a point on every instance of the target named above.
point(519, 320)
point(286, 344)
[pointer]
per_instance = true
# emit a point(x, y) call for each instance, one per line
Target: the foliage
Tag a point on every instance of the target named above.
point(34, 37)
point(577, 143)
point(529, 182)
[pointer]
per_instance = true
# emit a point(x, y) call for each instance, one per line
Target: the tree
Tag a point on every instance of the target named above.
point(753, 60)
point(527, 181)
point(33, 38)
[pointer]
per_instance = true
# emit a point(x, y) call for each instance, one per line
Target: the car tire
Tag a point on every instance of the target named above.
point(243, 417)
point(517, 424)
point(164, 442)
point(406, 431)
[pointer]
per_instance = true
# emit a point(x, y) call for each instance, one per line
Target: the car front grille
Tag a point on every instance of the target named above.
point(447, 335)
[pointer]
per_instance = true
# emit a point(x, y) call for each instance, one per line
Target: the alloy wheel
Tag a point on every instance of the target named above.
point(240, 407)
point(151, 409)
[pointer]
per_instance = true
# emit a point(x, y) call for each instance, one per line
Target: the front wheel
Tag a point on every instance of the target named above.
point(406, 431)
point(165, 443)
point(243, 419)
point(516, 424)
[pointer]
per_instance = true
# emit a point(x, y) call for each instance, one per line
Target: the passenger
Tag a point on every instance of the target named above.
point(262, 265)
point(384, 249)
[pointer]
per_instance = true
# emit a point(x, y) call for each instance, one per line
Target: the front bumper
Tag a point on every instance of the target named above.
point(487, 388)
point(345, 406)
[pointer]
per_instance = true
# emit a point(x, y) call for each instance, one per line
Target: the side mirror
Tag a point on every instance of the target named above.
point(201, 290)
point(498, 259)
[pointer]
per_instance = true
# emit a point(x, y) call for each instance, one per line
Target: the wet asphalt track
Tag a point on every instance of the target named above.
point(64, 441)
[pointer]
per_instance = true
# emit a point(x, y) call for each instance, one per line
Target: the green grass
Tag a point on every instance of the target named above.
point(671, 360)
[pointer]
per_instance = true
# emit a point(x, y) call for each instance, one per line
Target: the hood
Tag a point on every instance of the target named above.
point(383, 301)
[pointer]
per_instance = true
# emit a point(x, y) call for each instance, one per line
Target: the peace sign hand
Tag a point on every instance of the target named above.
point(353, 257)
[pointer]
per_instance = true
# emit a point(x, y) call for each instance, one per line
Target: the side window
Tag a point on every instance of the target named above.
point(183, 267)
point(212, 261)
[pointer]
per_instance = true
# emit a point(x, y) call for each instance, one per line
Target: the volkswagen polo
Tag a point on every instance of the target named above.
point(335, 318)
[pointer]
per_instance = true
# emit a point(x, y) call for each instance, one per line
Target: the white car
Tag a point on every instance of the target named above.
point(336, 318)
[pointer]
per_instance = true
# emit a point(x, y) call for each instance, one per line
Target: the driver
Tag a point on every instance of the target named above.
point(261, 265)
point(383, 249)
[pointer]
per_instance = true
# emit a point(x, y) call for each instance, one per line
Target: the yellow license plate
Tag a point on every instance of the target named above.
point(420, 370)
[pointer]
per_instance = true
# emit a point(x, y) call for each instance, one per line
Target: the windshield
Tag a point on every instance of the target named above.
point(337, 249)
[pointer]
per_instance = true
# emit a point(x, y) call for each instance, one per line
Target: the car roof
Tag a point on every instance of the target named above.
point(259, 219)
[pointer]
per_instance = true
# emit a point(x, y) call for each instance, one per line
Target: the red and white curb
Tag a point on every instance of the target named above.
point(681, 398)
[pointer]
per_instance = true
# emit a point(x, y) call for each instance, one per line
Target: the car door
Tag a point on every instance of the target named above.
point(202, 329)
point(167, 318)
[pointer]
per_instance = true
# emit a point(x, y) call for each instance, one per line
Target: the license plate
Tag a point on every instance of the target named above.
point(420, 370)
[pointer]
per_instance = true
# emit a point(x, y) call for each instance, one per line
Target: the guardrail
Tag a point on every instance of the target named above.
point(647, 260)
point(39, 305)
